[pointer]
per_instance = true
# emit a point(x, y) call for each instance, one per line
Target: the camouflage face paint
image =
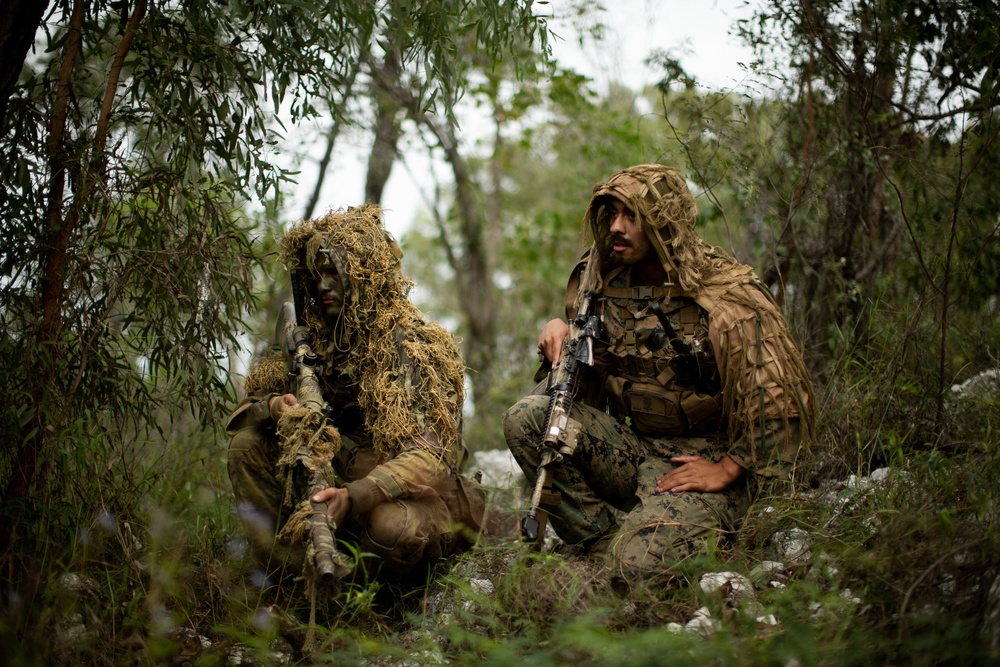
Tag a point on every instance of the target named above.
point(330, 289)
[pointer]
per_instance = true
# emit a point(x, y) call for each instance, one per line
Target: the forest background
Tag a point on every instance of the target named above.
point(145, 158)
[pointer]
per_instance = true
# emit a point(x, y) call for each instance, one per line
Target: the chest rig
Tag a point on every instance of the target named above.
point(661, 372)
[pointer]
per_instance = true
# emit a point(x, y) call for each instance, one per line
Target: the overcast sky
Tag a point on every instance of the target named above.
point(697, 33)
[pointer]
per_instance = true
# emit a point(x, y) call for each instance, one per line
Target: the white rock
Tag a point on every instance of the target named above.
point(702, 624)
point(77, 583)
point(482, 586)
point(424, 650)
point(848, 595)
point(880, 474)
point(499, 468)
point(767, 571)
point(282, 653)
point(239, 656)
point(792, 545)
point(983, 385)
point(855, 482)
point(772, 566)
point(74, 628)
point(713, 581)
point(737, 589)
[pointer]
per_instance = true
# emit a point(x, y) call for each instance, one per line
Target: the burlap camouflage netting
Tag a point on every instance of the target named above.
point(666, 212)
point(664, 209)
point(267, 374)
point(400, 399)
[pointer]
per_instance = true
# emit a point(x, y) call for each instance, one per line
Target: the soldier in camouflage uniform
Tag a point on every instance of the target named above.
point(697, 390)
point(394, 386)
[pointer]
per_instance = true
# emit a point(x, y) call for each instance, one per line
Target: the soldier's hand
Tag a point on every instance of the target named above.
point(697, 474)
point(338, 503)
point(550, 342)
point(278, 404)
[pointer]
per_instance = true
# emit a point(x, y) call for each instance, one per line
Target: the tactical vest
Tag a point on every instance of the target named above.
point(655, 358)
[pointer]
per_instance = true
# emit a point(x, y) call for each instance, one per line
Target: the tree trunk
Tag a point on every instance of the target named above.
point(60, 227)
point(19, 19)
point(53, 263)
point(473, 277)
point(854, 254)
point(387, 131)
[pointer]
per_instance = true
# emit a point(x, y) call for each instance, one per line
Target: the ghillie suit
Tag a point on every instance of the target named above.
point(666, 213)
point(394, 388)
point(701, 365)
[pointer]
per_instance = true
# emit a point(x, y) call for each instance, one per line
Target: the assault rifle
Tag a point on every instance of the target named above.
point(304, 370)
point(561, 434)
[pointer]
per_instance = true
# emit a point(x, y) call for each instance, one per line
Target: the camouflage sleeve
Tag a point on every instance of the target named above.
point(415, 473)
point(761, 373)
point(251, 412)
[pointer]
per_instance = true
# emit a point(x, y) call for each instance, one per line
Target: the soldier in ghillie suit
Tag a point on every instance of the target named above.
point(388, 448)
point(696, 393)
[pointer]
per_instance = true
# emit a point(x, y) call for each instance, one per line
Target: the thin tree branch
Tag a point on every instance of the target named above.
point(114, 75)
point(449, 251)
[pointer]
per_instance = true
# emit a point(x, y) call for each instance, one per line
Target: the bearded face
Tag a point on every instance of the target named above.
point(629, 244)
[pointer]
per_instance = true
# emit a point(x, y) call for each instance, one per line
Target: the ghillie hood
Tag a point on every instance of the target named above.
point(401, 398)
point(365, 254)
point(664, 210)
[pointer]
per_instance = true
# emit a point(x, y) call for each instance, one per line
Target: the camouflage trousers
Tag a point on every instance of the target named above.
point(607, 488)
point(402, 535)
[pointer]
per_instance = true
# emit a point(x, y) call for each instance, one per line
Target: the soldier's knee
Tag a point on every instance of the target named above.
point(240, 446)
point(252, 475)
point(525, 419)
point(249, 449)
point(656, 547)
point(398, 535)
point(240, 460)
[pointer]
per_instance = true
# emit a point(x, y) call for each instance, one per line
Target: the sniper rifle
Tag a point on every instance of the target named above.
point(304, 370)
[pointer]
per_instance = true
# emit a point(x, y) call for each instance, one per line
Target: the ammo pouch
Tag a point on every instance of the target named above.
point(656, 411)
point(703, 412)
point(650, 409)
point(653, 410)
